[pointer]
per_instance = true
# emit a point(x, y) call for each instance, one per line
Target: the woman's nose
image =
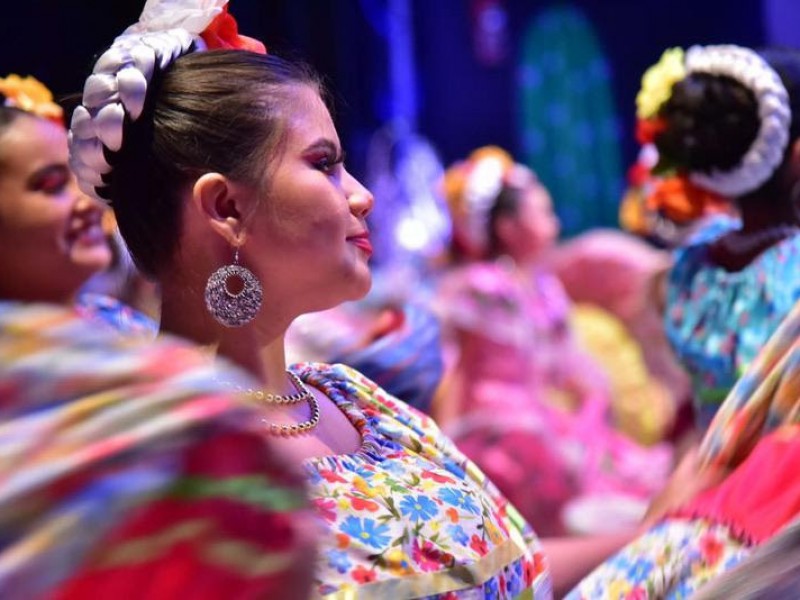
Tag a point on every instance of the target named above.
point(360, 198)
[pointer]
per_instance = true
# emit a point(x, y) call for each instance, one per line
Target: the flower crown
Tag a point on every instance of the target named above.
point(117, 87)
point(471, 188)
point(749, 69)
point(32, 96)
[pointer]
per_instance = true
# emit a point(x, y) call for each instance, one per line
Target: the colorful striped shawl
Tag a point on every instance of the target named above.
point(126, 471)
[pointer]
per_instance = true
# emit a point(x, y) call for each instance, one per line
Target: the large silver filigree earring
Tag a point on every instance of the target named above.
point(233, 294)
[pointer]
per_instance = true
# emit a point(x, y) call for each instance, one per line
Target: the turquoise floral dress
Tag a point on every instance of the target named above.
point(755, 435)
point(407, 514)
point(716, 320)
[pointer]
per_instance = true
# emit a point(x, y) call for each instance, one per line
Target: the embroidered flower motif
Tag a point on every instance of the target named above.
point(438, 478)
point(637, 593)
point(458, 534)
point(458, 499)
point(619, 589)
point(418, 508)
point(398, 562)
point(412, 532)
point(332, 477)
point(361, 504)
point(657, 82)
point(363, 575)
point(31, 95)
point(326, 508)
point(428, 556)
point(711, 549)
point(480, 546)
point(366, 531)
point(339, 561)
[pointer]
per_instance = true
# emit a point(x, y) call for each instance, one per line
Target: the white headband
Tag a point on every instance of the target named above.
point(766, 152)
point(118, 84)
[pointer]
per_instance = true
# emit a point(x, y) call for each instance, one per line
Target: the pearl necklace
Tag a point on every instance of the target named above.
point(303, 395)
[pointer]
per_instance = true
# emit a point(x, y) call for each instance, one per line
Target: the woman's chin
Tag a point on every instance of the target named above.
point(366, 286)
point(360, 286)
point(93, 258)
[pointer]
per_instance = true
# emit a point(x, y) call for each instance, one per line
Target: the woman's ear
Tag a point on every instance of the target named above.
point(215, 198)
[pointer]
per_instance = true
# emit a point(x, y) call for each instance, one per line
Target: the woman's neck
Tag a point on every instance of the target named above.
point(257, 347)
point(758, 213)
point(763, 226)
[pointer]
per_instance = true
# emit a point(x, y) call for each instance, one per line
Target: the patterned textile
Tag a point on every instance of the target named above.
point(756, 432)
point(120, 316)
point(126, 472)
point(407, 514)
point(672, 560)
point(716, 320)
point(771, 572)
point(765, 397)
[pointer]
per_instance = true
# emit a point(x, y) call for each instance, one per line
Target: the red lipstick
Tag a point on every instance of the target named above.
point(362, 241)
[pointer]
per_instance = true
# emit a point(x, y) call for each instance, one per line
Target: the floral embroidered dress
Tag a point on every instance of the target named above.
point(756, 432)
point(521, 375)
point(716, 320)
point(407, 514)
point(127, 472)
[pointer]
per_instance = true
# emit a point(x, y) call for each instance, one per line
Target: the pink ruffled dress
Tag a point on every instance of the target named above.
point(533, 406)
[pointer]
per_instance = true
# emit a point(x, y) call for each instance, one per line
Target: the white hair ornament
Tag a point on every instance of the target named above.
point(766, 152)
point(119, 81)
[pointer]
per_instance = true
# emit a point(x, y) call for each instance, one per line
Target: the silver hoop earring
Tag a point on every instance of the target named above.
point(233, 308)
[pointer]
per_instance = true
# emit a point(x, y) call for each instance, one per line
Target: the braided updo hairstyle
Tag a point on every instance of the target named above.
point(712, 120)
point(219, 111)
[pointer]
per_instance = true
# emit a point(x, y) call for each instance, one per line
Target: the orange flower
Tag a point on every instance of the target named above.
point(682, 201)
point(359, 504)
point(452, 513)
point(223, 32)
point(342, 540)
point(31, 95)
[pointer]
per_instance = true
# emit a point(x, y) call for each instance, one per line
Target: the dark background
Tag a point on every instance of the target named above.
point(462, 103)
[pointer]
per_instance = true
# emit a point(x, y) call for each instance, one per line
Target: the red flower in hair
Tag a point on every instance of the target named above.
point(648, 129)
point(639, 174)
point(223, 32)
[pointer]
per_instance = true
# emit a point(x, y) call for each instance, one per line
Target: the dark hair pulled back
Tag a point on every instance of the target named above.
point(219, 111)
point(712, 120)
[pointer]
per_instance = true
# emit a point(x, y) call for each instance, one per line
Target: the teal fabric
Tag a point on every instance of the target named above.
point(567, 121)
point(717, 321)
